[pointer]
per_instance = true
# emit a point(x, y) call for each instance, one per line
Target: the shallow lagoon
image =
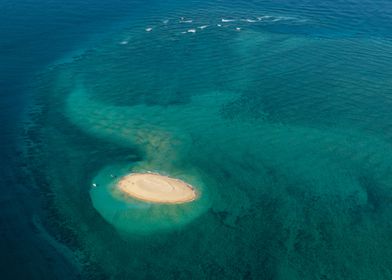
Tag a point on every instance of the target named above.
point(286, 133)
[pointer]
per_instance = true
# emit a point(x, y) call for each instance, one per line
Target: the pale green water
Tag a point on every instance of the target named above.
point(278, 132)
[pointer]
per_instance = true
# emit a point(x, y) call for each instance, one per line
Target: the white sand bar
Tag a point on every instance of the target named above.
point(156, 188)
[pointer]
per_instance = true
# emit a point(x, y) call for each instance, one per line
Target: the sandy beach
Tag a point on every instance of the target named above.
point(156, 188)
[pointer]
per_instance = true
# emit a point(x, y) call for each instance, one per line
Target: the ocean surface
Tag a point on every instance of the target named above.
point(277, 112)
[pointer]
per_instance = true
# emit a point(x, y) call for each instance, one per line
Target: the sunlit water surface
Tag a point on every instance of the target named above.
point(279, 116)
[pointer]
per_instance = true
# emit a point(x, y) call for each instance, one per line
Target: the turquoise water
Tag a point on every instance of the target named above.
point(279, 116)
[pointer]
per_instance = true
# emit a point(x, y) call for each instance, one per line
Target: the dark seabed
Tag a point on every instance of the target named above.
point(277, 112)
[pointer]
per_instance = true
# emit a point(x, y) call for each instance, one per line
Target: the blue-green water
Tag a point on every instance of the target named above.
point(277, 113)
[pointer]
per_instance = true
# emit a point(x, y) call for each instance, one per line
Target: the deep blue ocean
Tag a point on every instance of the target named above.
point(278, 113)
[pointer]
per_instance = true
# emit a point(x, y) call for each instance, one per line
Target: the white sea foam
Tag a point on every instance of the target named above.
point(282, 18)
point(263, 18)
point(166, 21)
point(203, 27)
point(191, 30)
point(279, 18)
point(183, 20)
point(228, 20)
point(238, 28)
point(148, 29)
point(288, 18)
point(219, 25)
point(249, 20)
point(124, 42)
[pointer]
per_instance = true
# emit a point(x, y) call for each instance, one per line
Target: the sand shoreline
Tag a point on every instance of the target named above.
point(156, 188)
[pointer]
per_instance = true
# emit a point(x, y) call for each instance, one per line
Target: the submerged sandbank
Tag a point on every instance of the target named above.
point(152, 187)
